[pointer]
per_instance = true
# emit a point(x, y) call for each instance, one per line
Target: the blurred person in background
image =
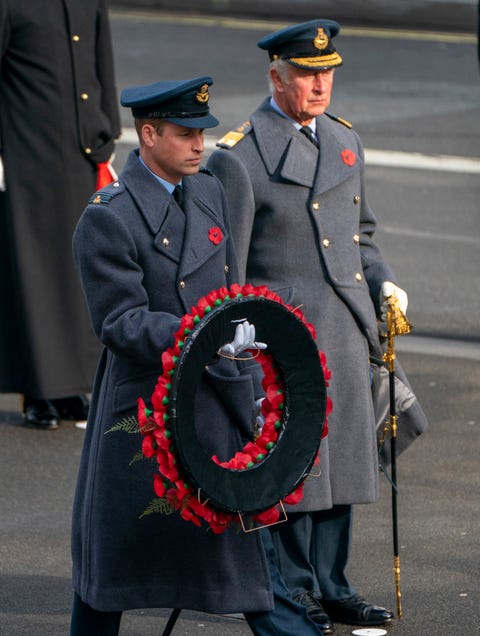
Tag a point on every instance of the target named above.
point(58, 121)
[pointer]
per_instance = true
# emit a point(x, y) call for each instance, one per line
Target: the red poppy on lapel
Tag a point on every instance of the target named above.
point(215, 235)
point(348, 157)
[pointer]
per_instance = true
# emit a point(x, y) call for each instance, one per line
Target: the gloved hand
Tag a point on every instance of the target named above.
point(389, 289)
point(244, 339)
point(3, 186)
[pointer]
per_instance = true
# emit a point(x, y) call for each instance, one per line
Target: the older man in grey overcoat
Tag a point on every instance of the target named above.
point(294, 177)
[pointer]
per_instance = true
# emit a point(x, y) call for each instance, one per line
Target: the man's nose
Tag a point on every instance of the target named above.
point(320, 82)
point(198, 142)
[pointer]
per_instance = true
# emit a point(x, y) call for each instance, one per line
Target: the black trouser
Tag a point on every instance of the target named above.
point(87, 621)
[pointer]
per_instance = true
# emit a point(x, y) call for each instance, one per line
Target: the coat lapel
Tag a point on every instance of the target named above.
point(151, 197)
point(338, 161)
point(298, 161)
point(199, 244)
point(184, 237)
point(290, 155)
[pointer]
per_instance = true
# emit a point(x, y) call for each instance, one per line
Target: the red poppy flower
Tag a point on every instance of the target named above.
point(348, 157)
point(294, 497)
point(149, 447)
point(235, 290)
point(145, 421)
point(159, 485)
point(215, 235)
point(268, 517)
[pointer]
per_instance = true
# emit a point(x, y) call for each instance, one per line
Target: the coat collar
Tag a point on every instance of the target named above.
point(151, 198)
point(183, 237)
point(297, 160)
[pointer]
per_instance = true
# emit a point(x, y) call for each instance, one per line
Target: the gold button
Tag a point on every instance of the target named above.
point(356, 199)
point(356, 238)
point(84, 97)
point(182, 284)
point(316, 205)
point(88, 151)
point(76, 38)
point(165, 241)
point(226, 268)
point(358, 276)
point(326, 242)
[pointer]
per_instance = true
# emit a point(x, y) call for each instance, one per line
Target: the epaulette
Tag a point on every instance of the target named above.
point(339, 119)
point(206, 171)
point(104, 196)
point(234, 136)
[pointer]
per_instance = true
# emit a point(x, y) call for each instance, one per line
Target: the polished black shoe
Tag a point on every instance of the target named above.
point(315, 611)
point(355, 610)
point(40, 413)
point(73, 408)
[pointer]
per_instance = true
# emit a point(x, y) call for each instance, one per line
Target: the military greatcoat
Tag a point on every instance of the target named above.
point(58, 119)
point(301, 225)
point(143, 264)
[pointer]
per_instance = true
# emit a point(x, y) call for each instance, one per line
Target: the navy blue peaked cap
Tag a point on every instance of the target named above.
point(182, 102)
point(307, 45)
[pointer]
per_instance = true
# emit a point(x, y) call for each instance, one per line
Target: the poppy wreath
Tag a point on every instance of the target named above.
point(259, 470)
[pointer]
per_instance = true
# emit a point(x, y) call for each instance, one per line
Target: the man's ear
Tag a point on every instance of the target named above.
point(148, 133)
point(276, 80)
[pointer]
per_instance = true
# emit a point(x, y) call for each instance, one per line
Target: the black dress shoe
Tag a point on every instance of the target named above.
point(315, 611)
point(355, 610)
point(40, 413)
point(73, 408)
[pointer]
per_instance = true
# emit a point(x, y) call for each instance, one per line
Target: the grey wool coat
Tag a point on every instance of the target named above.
point(301, 225)
point(58, 119)
point(143, 264)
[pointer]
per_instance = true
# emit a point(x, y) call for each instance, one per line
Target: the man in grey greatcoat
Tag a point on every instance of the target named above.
point(294, 178)
point(145, 257)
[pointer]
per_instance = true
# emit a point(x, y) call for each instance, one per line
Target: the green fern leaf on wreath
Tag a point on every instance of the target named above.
point(158, 505)
point(137, 457)
point(127, 425)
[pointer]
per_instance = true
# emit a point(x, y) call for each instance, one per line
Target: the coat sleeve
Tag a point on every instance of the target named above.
point(240, 202)
point(376, 270)
point(107, 261)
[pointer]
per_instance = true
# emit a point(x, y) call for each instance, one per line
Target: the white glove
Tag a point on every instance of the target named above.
point(390, 289)
point(259, 419)
point(244, 339)
point(3, 187)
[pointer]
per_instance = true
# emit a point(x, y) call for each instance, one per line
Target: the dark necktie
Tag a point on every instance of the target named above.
point(178, 195)
point(308, 132)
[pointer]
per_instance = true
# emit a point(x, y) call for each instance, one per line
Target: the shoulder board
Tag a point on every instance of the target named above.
point(339, 119)
point(206, 171)
point(234, 136)
point(104, 196)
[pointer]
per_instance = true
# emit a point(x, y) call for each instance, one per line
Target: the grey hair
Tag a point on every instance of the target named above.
point(283, 69)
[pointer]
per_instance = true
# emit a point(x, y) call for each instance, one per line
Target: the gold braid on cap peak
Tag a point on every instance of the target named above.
point(333, 59)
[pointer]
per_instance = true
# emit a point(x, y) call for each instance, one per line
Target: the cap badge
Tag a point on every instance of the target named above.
point(321, 39)
point(202, 96)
